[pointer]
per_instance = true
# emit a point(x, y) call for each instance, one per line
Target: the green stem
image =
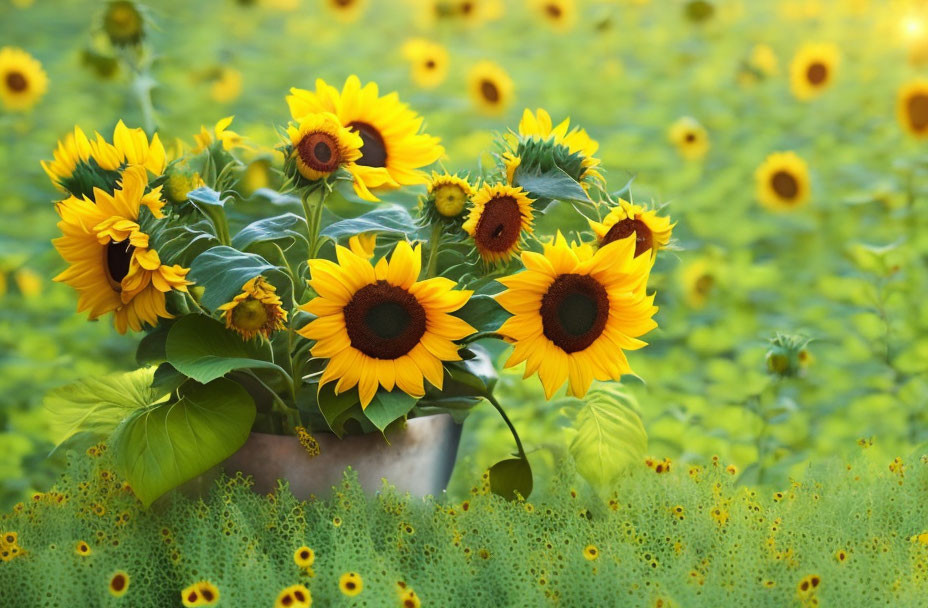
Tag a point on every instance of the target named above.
point(312, 210)
point(291, 415)
point(482, 335)
point(512, 429)
point(434, 248)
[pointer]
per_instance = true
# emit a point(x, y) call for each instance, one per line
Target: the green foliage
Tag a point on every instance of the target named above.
point(222, 271)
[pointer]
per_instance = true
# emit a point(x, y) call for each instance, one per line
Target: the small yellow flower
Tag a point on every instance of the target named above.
point(783, 182)
point(428, 62)
point(491, 88)
point(690, 138)
point(201, 593)
point(294, 596)
point(590, 553)
point(119, 584)
point(304, 557)
point(257, 310)
point(351, 584)
point(841, 556)
point(813, 70)
point(82, 548)
point(808, 585)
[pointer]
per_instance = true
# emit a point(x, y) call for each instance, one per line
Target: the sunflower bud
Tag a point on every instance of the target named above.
point(123, 23)
point(788, 355)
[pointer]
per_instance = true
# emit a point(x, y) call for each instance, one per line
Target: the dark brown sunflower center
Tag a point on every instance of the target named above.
point(117, 256)
point(15, 81)
point(784, 184)
point(644, 239)
point(690, 137)
point(918, 111)
point(430, 64)
point(373, 148)
point(467, 8)
point(817, 73)
point(704, 284)
point(319, 151)
point(299, 595)
point(207, 595)
point(553, 10)
point(384, 321)
point(489, 90)
point(574, 311)
point(343, 3)
point(500, 225)
point(192, 597)
point(118, 583)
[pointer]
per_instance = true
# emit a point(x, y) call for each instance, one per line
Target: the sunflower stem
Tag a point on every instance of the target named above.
point(512, 429)
point(434, 247)
point(312, 210)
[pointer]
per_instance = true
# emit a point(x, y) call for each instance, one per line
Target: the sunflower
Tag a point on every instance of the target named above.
point(257, 310)
point(393, 148)
point(346, 11)
point(783, 181)
point(699, 279)
point(813, 70)
point(559, 14)
point(498, 216)
point(123, 23)
point(576, 140)
point(651, 231)
point(72, 151)
point(221, 132)
point(294, 596)
point(129, 147)
point(363, 244)
point(201, 593)
point(110, 262)
point(351, 584)
point(912, 107)
point(226, 86)
point(575, 311)
point(764, 60)
point(304, 557)
point(690, 138)
point(447, 198)
point(379, 326)
point(22, 80)
point(491, 87)
point(320, 145)
point(428, 62)
point(119, 583)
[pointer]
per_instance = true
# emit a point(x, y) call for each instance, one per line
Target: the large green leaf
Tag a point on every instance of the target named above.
point(151, 349)
point(160, 447)
point(331, 406)
point(285, 230)
point(607, 436)
point(203, 349)
point(483, 312)
point(388, 406)
point(98, 405)
point(475, 374)
point(554, 184)
point(222, 271)
point(511, 478)
point(384, 219)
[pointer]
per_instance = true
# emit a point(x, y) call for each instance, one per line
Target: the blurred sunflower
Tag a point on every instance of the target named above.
point(257, 310)
point(813, 70)
point(226, 86)
point(428, 62)
point(491, 87)
point(764, 59)
point(123, 22)
point(783, 181)
point(499, 216)
point(393, 148)
point(22, 80)
point(651, 231)
point(110, 262)
point(321, 145)
point(346, 11)
point(690, 138)
point(447, 197)
point(468, 12)
point(561, 15)
point(380, 326)
point(576, 140)
point(912, 107)
point(575, 311)
point(221, 132)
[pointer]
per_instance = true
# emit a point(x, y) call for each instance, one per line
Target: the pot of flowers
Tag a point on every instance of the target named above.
point(335, 320)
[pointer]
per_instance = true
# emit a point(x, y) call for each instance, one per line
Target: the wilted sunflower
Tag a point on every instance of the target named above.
point(22, 80)
point(257, 310)
point(110, 262)
point(813, 70)
point(393, 147)
point(783, 181)
point(447, 197)
point(651, 231)
point(428, 62)
point(491, 87)
point(559, 14)
point(124, 23)
point(912, 107)
point(690, 138)
point(498, 217)
point(576, 140)
point(380, 326)
point(575, 312)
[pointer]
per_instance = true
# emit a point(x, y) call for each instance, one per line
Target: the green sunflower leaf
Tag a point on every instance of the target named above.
point(552, 184)
point(388, 406)
point(160, 447)
point(511, 478)
point(223, 271)
point(287, 230)
point(483, 313)
point(384, 219)
point(201, 348)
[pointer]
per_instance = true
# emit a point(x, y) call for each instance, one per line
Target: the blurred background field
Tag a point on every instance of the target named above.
point(847, 270)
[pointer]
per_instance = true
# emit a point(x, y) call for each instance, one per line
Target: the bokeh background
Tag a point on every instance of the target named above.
point(847, 270)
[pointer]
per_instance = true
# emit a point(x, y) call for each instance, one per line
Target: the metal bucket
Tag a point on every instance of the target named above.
point(417, 459)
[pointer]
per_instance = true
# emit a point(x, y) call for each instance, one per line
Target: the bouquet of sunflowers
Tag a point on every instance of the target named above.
point(322, 296)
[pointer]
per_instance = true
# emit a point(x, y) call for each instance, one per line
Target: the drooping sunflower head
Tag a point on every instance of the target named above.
point(320, 145)
point(447, 198)
point(124, 22)
point(379, 326)
point(912, 107)
point(428, 62)
point(110, 262)
point(574, 146)
point(651, 231)
point(783, 182)
point(491, 88)
point(813, 70)
point(560, 15)
point(255, 311)
point(690, 138)
point(393, 148)
point(22, 80)
point(576, 311)
point(499, 216)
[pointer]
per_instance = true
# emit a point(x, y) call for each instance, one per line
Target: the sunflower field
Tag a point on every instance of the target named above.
point(664, 260)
